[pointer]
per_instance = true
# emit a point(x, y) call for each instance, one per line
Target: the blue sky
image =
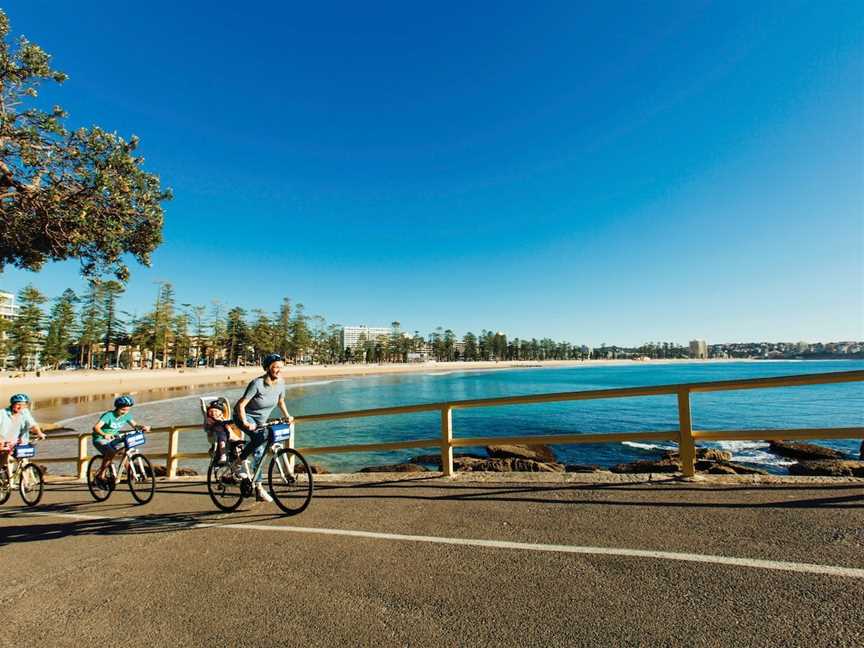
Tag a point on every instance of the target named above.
point(588, 172)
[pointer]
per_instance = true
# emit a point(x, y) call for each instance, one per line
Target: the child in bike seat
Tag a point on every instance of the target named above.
point(218, 425)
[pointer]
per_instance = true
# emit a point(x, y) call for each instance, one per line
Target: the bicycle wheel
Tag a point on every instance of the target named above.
point(5, 486)
point(100, 489)
point(224, 487)
point(31, 484)
point(143, 486)
point(290, 481)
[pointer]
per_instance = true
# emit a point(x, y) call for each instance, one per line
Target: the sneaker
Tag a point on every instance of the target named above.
point(240, 473)
point(262, 495)
point(222, 460)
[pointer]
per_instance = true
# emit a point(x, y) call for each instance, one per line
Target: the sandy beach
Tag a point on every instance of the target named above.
point(104, 383)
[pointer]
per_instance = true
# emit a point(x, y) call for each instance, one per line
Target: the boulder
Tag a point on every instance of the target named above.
point(803, 451)
point(743, 470)
point(514, 464)
point(435, 459)
point(721, 469)
point(828, 468)
point(707, 454)
point(186, 472)
point(403, 467)
point(318, 469)
point(582, 468)
point(539, 452)
point(660, 466)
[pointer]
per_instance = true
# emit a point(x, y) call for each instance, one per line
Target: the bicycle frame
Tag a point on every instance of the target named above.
point(126, 462)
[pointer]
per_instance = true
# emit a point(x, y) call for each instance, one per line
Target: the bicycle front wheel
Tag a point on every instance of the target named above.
point(100, 487)
point(5, 485)
point(32, 484)
point(142, 481)
point(290, 481)
point(224, 487)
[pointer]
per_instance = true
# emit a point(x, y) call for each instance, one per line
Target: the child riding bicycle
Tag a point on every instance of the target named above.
point(109, 425)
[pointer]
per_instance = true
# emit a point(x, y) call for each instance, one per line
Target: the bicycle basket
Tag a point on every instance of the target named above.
point(281, 432)
point(134, 439)
point(24, 451)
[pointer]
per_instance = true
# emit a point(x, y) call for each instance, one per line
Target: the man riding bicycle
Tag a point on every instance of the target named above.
point(16, 424)
point(253, 411)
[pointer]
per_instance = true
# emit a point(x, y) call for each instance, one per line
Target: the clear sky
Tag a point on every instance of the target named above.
point(603, 172)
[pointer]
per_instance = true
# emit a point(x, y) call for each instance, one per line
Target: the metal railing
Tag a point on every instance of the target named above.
point(686, 437)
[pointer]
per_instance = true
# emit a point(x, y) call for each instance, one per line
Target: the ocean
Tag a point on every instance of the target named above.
point(811, 406)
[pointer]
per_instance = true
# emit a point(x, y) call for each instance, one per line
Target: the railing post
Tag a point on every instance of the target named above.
point(82, 457)
point(173, 445)
point(447, 441)
point(686, 446)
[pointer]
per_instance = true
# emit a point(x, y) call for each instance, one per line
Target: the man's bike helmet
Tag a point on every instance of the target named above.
point(19, 398)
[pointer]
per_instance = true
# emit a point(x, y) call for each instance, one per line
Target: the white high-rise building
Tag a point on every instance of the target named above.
point(699, 349)
point(351, 334)
point(8, 309)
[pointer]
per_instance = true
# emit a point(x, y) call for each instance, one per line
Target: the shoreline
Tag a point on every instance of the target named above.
point(71, 386)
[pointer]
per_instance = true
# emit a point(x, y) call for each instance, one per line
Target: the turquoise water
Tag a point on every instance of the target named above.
point(812, 406)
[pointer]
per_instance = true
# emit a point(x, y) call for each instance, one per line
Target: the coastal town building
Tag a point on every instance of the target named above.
point(351, 334)
point(699, 349)
point(8, 311)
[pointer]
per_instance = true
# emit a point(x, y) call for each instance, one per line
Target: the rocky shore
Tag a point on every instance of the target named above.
point(811, 459)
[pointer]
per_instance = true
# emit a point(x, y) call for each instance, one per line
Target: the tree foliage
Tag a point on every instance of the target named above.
point(67, 194)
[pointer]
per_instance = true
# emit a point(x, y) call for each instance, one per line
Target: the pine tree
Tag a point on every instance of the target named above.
point(61, 329)
point(26, 332)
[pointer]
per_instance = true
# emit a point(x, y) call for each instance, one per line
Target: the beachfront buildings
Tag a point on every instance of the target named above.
point(351, 334)
point(699, 349)
point(8, 311)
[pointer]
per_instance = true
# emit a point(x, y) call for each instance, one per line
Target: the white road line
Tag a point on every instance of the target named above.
point(776, 565)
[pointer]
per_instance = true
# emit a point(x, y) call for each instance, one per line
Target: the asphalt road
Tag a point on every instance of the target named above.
point(177, 572)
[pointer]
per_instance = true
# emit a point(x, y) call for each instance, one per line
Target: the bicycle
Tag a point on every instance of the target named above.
point(289, 478)
point(139, 472)
point(26, 475)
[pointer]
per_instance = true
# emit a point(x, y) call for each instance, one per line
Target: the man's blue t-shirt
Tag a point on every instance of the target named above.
point(16, 426)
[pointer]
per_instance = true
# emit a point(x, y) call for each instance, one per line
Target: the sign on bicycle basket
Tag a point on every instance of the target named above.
point(281, 431)
point(24, 451)
point(134, 439)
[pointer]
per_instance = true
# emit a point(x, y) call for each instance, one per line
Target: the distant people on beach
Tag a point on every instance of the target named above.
point(253, 410)
point(16, 424)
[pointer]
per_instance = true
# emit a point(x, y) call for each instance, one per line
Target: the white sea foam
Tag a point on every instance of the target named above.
point(647, 446)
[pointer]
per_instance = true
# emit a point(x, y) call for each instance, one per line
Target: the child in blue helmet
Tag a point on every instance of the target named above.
point(16, 424)
point(108, 427)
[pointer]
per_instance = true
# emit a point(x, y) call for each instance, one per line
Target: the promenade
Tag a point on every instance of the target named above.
point(426, 561)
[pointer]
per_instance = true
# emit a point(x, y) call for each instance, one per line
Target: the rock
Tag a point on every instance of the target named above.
point(403, 467)
point(708, 454)
point(659, 466)
point(803, 451)
point(721, 469)
point(186, 472)
point(539, 452)
point(744, 470)
point(318, 469)
point(582, 468)
point(469, 464)
point(159, 470)
point(828, 468)
point(435, 459)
